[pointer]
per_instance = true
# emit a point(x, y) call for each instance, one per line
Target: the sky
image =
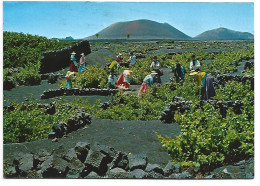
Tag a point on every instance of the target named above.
point(82, 19)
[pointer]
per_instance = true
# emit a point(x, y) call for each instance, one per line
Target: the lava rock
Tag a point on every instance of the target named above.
point(75, 168)
point(78, 121)
point(108, 151)
point(155, 175)
point(52, 78)
point(229, 172)
point(8, 84)
point(97, 161)
point(81, 150)
point(211, 176)
point(10, 108)
point(139, 174)
point(169, 169)
point(51, 110)
point(51, 135)
point(43, 96)
point(118, 173)
point(92, 175)
point(137, 161)
point(24, 162)
point(176, 168)
point(9, 169)
point(54, 167)
point(184, 175)
point(70, 155)
point(58, 130)
point(120, 160)
point(104, 105)
point(155, 168)
point(249, 169)
point(59, 152)
point(40, 157)
point(177, 104)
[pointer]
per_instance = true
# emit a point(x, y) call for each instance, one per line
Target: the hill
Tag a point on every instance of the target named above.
point(140, 29)
point(224, 34)
point(69, 38)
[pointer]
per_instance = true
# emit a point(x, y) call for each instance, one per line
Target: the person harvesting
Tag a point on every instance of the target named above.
point(82, 63)
point(194, 64)
point(179, 72)
point(155, 66)
point(73, 64)
point(69, 78)
point(148, 81)
point(111, 79)
point(124, 80)
point(132, 59)
point(204, 80)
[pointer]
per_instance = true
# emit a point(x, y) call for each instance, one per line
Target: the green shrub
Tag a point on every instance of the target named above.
point(27, 122)
point(140, 70)
point(228, 61)
point(249, 71)
point(8, 81)
point(21, 49)
point(93, 77)
point(224, 61)
point(234, 90)
point(148, 107)
point(24, 51)
point(29, 75)
point(207, 140)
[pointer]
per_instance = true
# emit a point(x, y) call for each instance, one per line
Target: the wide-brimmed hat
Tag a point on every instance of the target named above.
point(120, 54)
point(69, 73)
point(73, 52)
point(193, 72)
point(128, 71)
point(82, 54)
point(153, 72)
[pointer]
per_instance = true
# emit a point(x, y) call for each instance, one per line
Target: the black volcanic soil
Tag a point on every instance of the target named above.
point(127, 136)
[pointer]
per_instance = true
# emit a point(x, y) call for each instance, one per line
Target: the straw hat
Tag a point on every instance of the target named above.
point(82, 54)
point(128, 72)
point(193, 72)
point(69, 73)
point(73, 52)
point(120, 54)
point(153, 72)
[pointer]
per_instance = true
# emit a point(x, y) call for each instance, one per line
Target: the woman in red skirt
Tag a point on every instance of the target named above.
point(73, 64)
point(147, 80)
point(123, 81)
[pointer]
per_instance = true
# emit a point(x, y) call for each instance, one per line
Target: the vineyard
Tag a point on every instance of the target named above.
point(21, 57)
point(213, 133)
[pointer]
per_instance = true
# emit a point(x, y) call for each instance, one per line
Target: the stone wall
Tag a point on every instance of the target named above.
point(181, 104)
point(98, 161)
point(59, 59)
point(77, 92)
